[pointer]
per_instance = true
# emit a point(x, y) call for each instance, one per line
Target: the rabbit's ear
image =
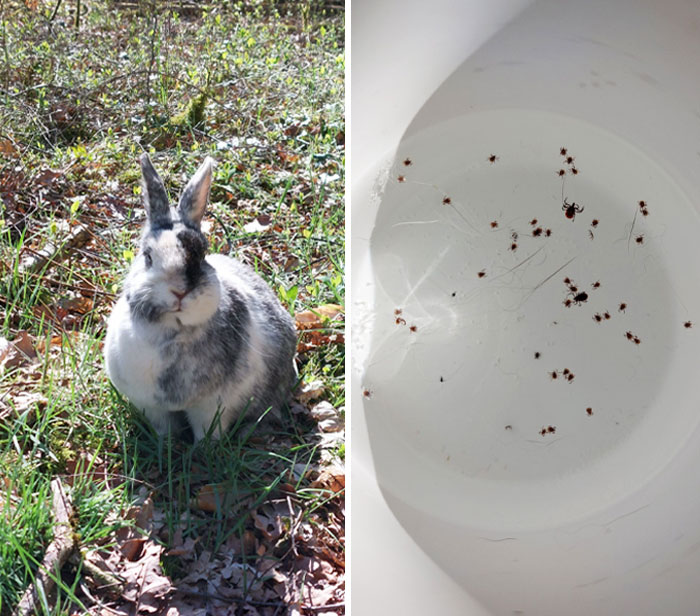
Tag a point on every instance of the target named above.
point(155, 198)
point(196, 194)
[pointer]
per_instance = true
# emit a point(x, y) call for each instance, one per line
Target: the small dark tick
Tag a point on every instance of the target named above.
point(446, 201)
point(493, 158)
point(401, 178)
point(407, 162)
point(589, 410)
point(622, 307)
point(639, 239)
point(494, 224)
point(537, 355)
point(688, 324)
point(481, 274)
point(571, 209)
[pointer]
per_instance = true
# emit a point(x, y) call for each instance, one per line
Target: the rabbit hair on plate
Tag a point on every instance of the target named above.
point(195, 332)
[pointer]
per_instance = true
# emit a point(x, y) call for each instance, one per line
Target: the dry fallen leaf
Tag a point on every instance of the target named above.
point(146, 585)
point(309, 391)
point(318, 317)
point(330, 479)
point(327, 416)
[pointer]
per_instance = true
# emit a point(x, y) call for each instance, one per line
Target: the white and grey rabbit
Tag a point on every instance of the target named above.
point(194, 332)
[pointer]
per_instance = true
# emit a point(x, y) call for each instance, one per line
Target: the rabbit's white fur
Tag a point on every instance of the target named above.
point(200, 334)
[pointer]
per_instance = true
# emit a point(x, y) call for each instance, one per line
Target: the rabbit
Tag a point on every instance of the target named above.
point(191, 331)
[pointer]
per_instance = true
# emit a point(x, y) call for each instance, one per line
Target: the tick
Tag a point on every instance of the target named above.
point(513, 246)
point(537, 355)
point(398, 311)
point(400, 321)
point(407, 162)
point(688, 324)
point(570, 377)
point(554, 375)
point(571, 209)
point(446, 201)
point(596, 284)
point(548, 232)
point(574, 170)
point(568, 302)
point(494, 224)
point(630, 335)
point(589, 410)
point(622, 307)
point(597, 318)
point(594, 223)
point(565, 371)
point(639, 239)
point(537, 232)
point(551, 429)
point(493, 158)
point(645, 212)
point(642, 205)
point(580, 298)
point(561, 172)
point(514, 235)
point(569, 159)
point(606, 315)
point(413, 328)
point(563, 151)
point(533, 222)
point(481, 274)
point(401, 178)
point(367, 393)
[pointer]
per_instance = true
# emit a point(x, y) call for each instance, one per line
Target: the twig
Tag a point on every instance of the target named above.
point(57, 553)
point(78, 236)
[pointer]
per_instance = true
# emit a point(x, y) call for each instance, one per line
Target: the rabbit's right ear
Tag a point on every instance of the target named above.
point(155, 198)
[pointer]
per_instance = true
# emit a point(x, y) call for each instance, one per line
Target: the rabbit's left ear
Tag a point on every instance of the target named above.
point(196, 194)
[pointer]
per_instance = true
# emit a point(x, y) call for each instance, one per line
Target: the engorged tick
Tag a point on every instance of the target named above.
point(580, 298)
point(571, 209)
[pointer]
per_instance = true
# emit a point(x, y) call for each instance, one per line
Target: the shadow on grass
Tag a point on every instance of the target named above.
point(227, 510)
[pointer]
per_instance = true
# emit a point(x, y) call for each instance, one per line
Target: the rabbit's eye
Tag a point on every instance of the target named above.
point(149, 259)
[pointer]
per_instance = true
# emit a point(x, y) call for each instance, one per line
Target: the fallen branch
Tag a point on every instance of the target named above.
point(57, 553)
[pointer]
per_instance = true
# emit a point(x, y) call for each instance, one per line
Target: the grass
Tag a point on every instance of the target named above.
point(258, 86)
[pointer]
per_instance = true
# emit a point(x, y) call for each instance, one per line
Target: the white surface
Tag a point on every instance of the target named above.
point(400, 53)
point(611, 525)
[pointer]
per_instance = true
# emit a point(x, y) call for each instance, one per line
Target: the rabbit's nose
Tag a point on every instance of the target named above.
point(180, 296)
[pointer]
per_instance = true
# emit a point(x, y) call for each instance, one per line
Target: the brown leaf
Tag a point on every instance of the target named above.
point(7, 147)
point(47, 177)
point(146, 585)
point(310, 391)
point(80, 305)
point(317, 317)
point(330, 479)
point(17, 352)
point(327, 416)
